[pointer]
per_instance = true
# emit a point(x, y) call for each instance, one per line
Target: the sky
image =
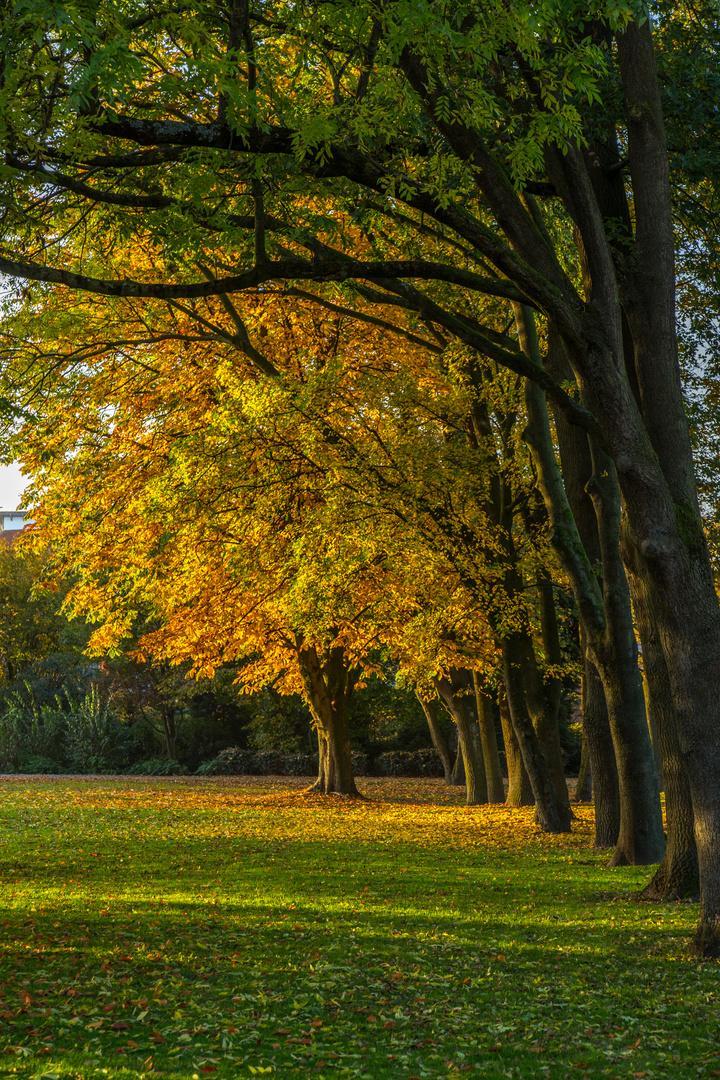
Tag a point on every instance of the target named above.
point(12, 483)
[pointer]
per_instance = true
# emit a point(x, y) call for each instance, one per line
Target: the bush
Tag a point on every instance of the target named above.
point(361, 763)
point(95, 737)
point(230, 762)
point(39, 764)
point(427, 763)
point(409, 763)
point(299, 765)
point(268, 763)
point(27, 731)
point(158, 767)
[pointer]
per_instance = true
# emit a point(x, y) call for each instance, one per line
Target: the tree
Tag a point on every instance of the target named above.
point(31, 625)
point(417, 96)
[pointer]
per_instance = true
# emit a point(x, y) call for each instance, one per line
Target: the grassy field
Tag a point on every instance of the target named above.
point(234, 928)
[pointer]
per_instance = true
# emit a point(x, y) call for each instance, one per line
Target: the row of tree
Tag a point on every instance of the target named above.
point(296, 284)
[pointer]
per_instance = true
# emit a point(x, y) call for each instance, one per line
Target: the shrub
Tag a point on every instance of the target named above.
point(393, 763)
point(269, 763)
point(409, 763)
point(299, 765)
point(361, 763)
point(28, 731)
point(95, 737)
point(158, 767)
point(230, 762)
point(38, 764)
point(427, 763)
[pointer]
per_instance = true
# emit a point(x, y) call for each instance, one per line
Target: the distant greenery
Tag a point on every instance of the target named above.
point(237, 929)
point(63, 712)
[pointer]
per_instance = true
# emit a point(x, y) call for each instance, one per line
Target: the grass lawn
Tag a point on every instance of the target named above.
point(232, 928)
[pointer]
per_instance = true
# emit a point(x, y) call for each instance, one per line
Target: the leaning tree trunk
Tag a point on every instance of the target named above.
point(677, 877)
point(488, 739)
point(460, 703)
point(606, 620)
point(664, 525)
point(519, 791)
point(430, 707)
point(577, 469)
point(327, 687)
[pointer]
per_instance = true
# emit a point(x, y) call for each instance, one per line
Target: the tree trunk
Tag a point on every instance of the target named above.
point(457, 776)
point(552, 815)
point(601, 752)
point(170, 732)
point(488, 739)
point(327, 688)
point(606, 619)
point(458, 694)
point(429, 707)
point(677, 877)
point(519, 790)
point(652, 725)
point(577, 469)
point(583, 788)
point(543, 698)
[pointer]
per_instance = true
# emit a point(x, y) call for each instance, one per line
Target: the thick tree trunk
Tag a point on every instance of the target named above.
point(577, 469)
point(458, 694)
point(543, 698)
point(488, 739)
point(429, 707)
point(652, 725)
point(552, 815)
point(641, 839)
point(519, 791)
point(606, 620)
point(596, 728)
point(327, 688)
point(677, 877)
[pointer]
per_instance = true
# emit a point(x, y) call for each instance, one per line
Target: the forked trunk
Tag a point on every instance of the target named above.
point(327, 687)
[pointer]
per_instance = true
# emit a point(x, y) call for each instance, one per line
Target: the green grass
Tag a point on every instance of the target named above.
point(234, 928)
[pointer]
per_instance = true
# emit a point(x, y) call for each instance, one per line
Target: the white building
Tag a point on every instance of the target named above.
point(14, 519)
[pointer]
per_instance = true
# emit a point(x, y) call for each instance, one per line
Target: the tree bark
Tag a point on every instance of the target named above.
point(429, 707)
point(677, 877)
point(488, 739)
point(606, 619)
point(552, 815)
point(457, 692)
point(543, 697)
point(577, 469)
point(519, 791)
point(596, 729)
point(583, 788)
point(328, 686)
